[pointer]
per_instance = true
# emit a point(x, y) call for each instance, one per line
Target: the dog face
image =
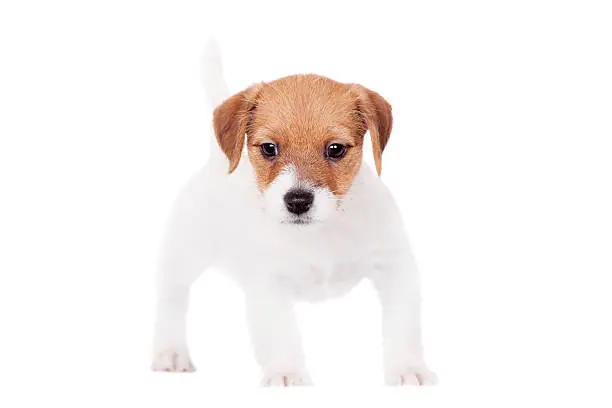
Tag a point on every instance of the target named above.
point(304, 136)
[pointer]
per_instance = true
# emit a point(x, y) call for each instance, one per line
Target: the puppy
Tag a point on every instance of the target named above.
point(301, 219)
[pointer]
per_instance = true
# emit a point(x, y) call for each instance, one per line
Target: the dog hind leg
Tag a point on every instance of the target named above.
point(186, 253)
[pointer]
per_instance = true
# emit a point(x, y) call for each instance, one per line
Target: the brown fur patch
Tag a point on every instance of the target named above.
point(230, 121)
point(303, 114)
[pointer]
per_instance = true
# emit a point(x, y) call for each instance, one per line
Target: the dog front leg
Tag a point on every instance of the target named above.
point(396, 281)
point(275, 338)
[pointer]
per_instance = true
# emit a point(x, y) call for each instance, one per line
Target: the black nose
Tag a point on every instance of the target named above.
point(298, 201)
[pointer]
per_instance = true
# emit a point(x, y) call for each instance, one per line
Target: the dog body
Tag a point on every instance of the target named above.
point(302, 218)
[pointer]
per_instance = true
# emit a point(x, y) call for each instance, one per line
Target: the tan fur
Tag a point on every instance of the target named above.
point(303, 114)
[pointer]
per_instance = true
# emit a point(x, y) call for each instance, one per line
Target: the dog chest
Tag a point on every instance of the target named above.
point(315, 281)
point(309, 265)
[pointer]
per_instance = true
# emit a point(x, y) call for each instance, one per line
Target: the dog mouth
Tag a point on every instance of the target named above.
point(299, 220)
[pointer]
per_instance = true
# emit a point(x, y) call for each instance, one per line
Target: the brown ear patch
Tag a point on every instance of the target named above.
point(376, 113)
point(230, 121)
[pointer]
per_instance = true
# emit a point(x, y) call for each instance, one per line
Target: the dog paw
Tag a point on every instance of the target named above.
point(285, 379)
point(412, 376)
point(172, 361)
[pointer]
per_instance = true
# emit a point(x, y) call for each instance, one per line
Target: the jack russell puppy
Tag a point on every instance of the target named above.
point(302, 218)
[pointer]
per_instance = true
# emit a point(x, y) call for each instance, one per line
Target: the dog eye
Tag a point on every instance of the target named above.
point(269, 150)
point(335, 151)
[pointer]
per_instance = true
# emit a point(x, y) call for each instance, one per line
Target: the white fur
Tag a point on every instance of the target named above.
point(324, 205)
point(223, 220)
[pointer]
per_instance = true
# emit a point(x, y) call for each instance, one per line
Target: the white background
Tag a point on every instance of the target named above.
point(500, 159)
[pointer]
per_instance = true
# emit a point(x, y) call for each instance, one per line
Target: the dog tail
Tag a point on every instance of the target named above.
point(212, 74)
point(216, 90)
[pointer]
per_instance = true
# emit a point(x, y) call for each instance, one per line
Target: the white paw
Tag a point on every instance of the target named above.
point(412, 376)
point(285, 379)
point(173, 361)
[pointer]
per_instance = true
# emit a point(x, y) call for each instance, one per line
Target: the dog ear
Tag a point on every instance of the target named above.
point(376, 114)
point(231, 120)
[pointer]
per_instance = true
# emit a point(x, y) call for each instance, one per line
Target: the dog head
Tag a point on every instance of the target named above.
point(304, 136)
